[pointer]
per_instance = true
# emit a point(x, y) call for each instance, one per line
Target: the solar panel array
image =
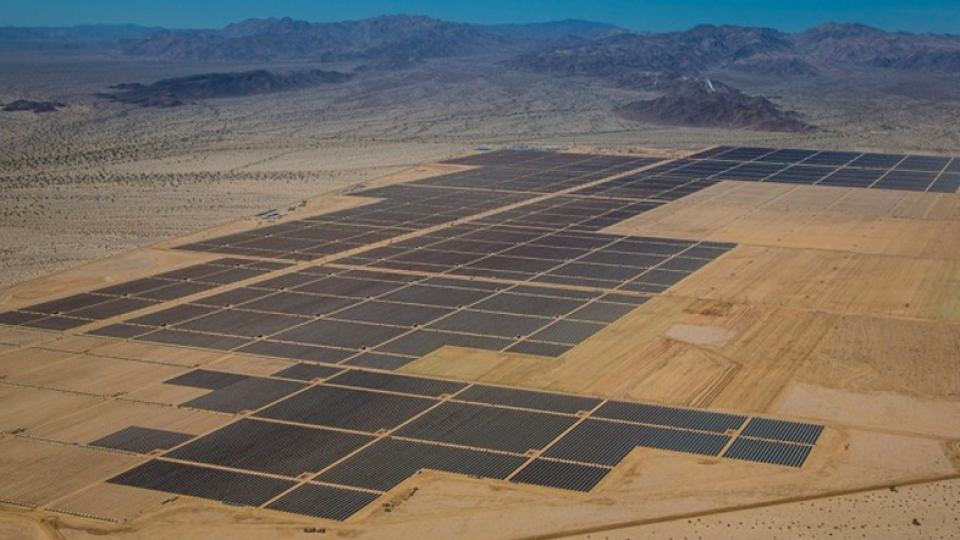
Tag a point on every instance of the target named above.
point(678, 178)
point(505, 257)
point(506, 178)
point(331, 447)
point(108, 302)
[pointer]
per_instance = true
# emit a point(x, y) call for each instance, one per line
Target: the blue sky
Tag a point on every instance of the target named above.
point(910, 15)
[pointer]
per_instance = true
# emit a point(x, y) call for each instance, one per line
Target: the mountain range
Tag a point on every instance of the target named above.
point(564, 47)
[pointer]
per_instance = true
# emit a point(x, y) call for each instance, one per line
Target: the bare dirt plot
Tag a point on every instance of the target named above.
point(37, 473)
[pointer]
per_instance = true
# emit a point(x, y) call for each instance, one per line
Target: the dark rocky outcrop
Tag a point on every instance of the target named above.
point(706, 103)
point(27, 105)
point(182, 90)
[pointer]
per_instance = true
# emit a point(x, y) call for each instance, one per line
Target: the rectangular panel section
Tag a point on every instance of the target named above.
point(142, 440)
point(670, 416)
point(397, 383)
point(607, 443)
point(323, 502)
point(554, 474)
point(358, 410)
point(528, 399)
point(774, 453)
point(487, 427)
point(388, 462)
point(782, 430)
point(203, 482)
point(271, 447)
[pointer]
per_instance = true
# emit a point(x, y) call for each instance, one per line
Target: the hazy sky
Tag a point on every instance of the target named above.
point(910, 15)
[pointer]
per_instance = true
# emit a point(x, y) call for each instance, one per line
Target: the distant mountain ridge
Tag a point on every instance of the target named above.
point(288, 39)
point(761, 50)
point(91, 34)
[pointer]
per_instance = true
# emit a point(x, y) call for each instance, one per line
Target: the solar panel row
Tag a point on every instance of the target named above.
point(108, 302)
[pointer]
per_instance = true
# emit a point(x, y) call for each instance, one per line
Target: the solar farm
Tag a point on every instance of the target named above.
point(558, 342)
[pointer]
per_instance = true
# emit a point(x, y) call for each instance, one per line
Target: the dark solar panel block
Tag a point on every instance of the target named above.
point(323, 502)
point(142, 440)
point(202, 482)
point(354, 288)
point(287, 281)
point(242, 323)
point(232, 298)
point(578, 281)
point(204, 378)
point(877, 161)
point(300, 304)
point(271, 447)
point(141, 285)
point(112, 308)
point(176, 290)
point(56, 323)
point(513, 264)
point(388, 462)
point(232, 275)
point(518, 304)
point(528, 399)
point(538, 348)
point(392, 314)
point(670, 416)
point(553, 474)
point(924, 163)
point(348, 335)
point(191, 272)
point(121, 331)
point(569, 332)
point(616, 258)
point(192, 339)
point(16, 318)
point(487, 427)
point(397, 383)
point(66, 305)
point(249, 394)
point(295, 351)
point(491, 324)
point(607, 443)
point(787, 155)
point(601, 312)
point(173, 315)
point(303, 371)
point(358, 410)
point(387, 362)
point(380, 276)
point(534, 290)
point(827, 158)
point(775, 453)
point(597, 271)
point(436, 296)
point(464, 284)
point(782, 430)
point(422, 342)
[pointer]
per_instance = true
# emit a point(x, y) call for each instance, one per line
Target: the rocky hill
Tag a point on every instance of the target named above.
point(182, 90)
point(706, 103)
